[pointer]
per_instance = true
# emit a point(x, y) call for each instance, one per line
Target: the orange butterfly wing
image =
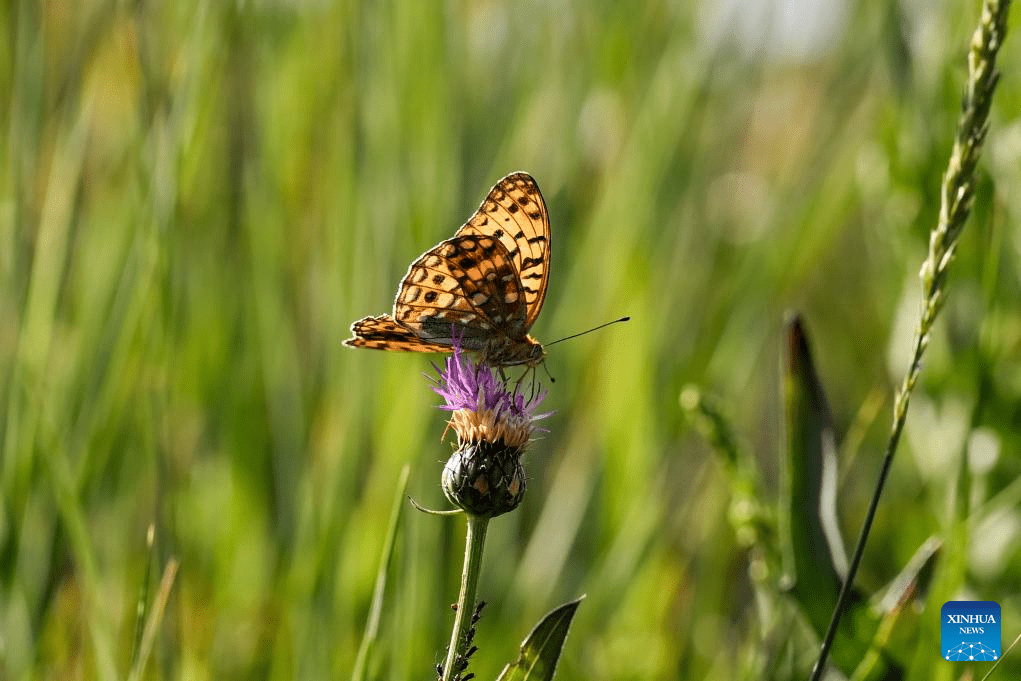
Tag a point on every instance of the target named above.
point(466, 285)
point(487, 282)
point(515, 213)
point(383, 333)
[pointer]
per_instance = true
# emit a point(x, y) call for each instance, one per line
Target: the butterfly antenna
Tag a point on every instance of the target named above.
point(596, 328)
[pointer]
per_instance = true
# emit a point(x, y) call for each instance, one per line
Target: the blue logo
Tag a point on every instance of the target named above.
point(970, 631)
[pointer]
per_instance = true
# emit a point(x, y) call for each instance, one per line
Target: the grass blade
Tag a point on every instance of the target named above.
point(154, 619)
point(375, 612)
point(816, 556)
point(815, 559)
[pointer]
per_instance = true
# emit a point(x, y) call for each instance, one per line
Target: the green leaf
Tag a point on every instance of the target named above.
point(541, 649)
point(815, 558)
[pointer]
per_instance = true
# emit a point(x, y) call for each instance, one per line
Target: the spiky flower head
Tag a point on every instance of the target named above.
point(484, 475)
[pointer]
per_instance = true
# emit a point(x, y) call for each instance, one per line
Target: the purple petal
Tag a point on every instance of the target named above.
point(465, 384)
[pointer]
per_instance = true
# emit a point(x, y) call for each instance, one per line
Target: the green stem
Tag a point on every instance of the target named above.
point(475, 542)
point(958, 192)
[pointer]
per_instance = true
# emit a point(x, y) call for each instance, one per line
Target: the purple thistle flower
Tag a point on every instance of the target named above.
point(484, 476)
point(483, 407)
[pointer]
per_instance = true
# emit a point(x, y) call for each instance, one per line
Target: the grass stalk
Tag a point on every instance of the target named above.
point(1000, 661)
point(957, 196)
point(142, 606)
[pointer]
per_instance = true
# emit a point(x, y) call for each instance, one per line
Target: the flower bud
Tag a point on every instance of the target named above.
point(485, 478)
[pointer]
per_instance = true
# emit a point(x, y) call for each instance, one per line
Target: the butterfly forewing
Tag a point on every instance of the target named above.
point(515, 213)
point(486, 284)
point(465, 285)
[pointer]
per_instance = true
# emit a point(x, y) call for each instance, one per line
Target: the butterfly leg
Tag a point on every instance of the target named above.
point(536, 386)
point(528, 371)
point(546, 369)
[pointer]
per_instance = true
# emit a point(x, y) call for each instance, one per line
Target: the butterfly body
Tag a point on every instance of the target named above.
point(485, 285)
point(505, 352)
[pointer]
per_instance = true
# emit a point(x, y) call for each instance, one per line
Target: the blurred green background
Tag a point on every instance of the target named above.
point(198, 198)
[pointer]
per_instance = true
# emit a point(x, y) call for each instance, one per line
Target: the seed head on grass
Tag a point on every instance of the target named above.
point(956, 197)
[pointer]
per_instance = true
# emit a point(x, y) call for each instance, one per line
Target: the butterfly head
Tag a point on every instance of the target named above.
point(536, 353)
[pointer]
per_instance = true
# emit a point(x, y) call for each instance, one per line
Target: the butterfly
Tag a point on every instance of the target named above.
point(485, 285)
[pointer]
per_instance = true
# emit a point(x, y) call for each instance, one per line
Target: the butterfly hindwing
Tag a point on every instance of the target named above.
point(384, 333)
